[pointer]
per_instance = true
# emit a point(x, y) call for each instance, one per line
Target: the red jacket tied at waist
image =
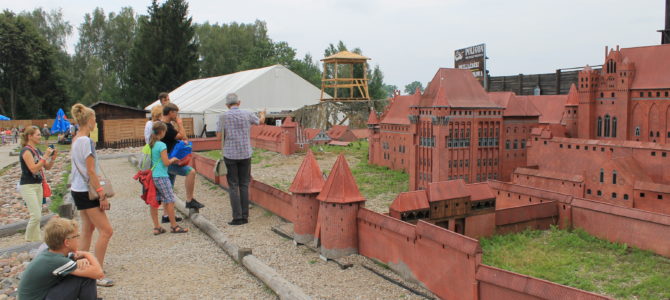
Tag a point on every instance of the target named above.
point(148, 188)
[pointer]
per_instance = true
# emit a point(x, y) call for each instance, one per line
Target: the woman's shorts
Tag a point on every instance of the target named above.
point(164, 192)
point(82, 202)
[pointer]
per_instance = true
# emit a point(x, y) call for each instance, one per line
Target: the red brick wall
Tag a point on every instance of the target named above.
point(642, 229)
point(206, 144)
point(272, 199)
point(497, 284)
point(535, 216)
point(552, 184)
point(480, 225)
point(442, 260)
point(514, 129)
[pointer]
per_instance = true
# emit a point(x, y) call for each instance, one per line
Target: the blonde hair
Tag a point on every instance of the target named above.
point(156, 130)
point(82, 114)
point(57, 230)
point(27, 133)
point(156, 113)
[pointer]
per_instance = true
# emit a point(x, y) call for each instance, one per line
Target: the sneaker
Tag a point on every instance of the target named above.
point(106, 282)
point(236, 222)
point(194, 204)
point(166, 219)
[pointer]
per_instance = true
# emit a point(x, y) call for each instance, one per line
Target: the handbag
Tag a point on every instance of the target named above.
point(105, 183)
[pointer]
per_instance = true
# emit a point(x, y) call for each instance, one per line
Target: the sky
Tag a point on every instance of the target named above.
point(411, 39)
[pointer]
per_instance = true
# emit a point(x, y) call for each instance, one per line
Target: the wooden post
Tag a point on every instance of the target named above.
point(558, 81)
point(520, 84)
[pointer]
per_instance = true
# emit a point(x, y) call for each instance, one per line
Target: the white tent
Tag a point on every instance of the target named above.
point(274, 88)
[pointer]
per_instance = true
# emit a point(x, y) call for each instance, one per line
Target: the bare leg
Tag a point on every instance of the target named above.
point(86, 230)
point(189, 183)
point(101, 222)
point(154, 216)
point(169, 208)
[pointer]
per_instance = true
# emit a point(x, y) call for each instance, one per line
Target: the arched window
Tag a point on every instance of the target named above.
point(614, 126)
point(523, 144)
point(637, 131)
point(516, 144)
point(602, 176)
point(614, 177)
point(607, 125)
point(507, 144)
point(600, 127)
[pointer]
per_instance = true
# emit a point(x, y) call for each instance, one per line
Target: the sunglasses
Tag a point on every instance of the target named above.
point(72, 237)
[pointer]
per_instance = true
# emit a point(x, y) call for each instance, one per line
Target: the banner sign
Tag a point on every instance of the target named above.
point(474, 59)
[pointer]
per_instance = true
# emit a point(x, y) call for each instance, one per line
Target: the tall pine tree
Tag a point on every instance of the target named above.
point(164, 55)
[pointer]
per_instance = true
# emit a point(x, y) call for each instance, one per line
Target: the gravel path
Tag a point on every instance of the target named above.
point(168, 266)
point(297, 264)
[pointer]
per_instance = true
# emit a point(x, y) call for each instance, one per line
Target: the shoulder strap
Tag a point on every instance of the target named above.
point(35, 154)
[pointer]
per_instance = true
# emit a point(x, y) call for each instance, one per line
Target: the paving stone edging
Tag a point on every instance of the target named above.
point(13, 228)
point(282, 287)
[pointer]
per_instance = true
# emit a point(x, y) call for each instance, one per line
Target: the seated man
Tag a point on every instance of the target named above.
point(61, 272)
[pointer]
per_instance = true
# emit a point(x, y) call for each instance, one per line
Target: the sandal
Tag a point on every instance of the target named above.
point(179, 229)
point(159, 230)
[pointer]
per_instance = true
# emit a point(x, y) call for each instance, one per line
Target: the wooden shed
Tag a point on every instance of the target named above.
point(112, 111)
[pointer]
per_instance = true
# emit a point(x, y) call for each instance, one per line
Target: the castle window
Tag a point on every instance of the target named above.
point(664, 154)
point(666, 94)
point(651, 134)
point(577, 147)
point(658, 134)
point(649, 94)
point(467, 163)
point(588, 191)
point(600, 126)
point(625, 196)
point(641, 94)
point(523, 144)
point(607, 125)
point(612, 94)
point(614, 195)
point(642, 195)
point(602, 176)
point(659, 197)
point(507, 142)
point(602, 95)
point(599, 193)
point(516, 144)
point(653, 153)
point(614, 177)
point(637, 131)
point(614, 125)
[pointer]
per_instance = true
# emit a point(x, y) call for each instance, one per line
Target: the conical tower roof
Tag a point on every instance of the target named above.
point(372, 119)
point(309, 179)
point(340, 186)
point(573, 97)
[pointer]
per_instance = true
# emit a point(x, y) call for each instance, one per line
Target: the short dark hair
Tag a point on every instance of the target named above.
point(167, 108)
point(163, 95)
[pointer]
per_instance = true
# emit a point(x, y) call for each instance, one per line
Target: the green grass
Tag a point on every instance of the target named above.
point(58, 191)
point(372, 180)
point(580, 260)
point(256, 157)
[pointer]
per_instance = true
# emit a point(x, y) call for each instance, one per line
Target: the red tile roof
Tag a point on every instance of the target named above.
point(443, 190)
point(309, 178)
point(338, 143)
point(337, 131)
point(360, 133)
point(514, 106)
point(410, 201)
point(372, 118)
point(266, 132)
point(551, 107)
point(573, 96)
point(479, 191)
point(652, 66)
point(455, 88)
point(340, 187)
point(310, 133)
point(398, 109)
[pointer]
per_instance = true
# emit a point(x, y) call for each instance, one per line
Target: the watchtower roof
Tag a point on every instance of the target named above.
point(346, 55)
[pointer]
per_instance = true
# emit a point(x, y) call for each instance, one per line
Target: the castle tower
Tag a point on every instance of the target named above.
point(570, 112)
point(307, 184)
point(586, 112)
point(289, 139)
point(374, 148)
point(340, 200)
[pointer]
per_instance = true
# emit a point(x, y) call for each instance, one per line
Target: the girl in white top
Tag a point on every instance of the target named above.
point(92, 212)
point(156, 113)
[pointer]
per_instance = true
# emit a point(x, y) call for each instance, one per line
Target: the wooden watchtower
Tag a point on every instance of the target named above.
point(345, 76)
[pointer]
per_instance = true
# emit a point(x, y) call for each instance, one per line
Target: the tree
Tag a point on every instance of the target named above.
point(27, 76)
point(411, 88)
point(389, 89)
point(164, 54)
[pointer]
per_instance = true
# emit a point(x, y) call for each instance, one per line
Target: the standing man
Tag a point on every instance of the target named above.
point(164, 98)
point(172, 136)
point(235, 125)
point(46, 133)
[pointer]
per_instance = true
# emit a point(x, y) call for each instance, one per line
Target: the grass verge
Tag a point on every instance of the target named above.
point(580, 260)
point(59, 190)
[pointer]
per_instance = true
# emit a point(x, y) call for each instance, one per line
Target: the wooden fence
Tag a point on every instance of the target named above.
point(557, 83)
point(125, 143)
point(25, 123)
point(132, 129)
